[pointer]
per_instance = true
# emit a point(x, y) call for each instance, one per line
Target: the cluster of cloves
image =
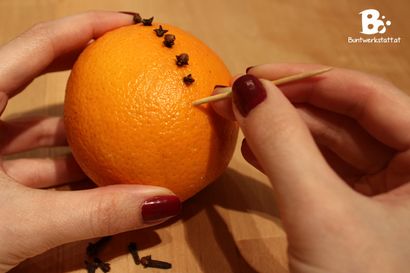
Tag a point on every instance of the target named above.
point(92, 251)
point(169, 41)
point(93, 262)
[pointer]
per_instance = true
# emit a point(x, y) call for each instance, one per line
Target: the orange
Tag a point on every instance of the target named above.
point(129, 116)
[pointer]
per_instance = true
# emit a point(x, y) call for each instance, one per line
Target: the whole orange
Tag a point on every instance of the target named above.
point(129, 116)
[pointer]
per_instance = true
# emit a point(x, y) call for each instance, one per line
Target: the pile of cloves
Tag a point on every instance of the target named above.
point(93, 262)
point(169, 41)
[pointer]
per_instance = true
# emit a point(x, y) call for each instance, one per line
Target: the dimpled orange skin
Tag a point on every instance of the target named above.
point(129, 116)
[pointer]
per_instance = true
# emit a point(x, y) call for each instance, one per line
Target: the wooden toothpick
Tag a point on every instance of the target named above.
point(227, 91)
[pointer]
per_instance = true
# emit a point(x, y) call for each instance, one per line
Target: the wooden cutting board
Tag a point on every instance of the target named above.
point(233, 225)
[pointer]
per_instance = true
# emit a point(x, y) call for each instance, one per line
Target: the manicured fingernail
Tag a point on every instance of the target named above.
point(218, 90)
point(136, 16)
point(160, 207)
point(3, 102)
point(247, 70)
point(128, 12)
point(247, 92)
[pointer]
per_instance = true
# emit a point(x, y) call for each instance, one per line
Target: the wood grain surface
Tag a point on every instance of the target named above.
point(233, 225)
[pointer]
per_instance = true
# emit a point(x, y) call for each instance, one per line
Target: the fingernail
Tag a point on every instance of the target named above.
point(247, 92)
point(136, 16)
point(3, 102)
point(247, 69)
point(217, 89)
point(128, 12)
point(160, 207)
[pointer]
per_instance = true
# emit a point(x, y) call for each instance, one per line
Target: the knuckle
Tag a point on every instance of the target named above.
point(93, 16)
point(39, 28)
point(103, 214)
point(38, 35)
point(283, 130)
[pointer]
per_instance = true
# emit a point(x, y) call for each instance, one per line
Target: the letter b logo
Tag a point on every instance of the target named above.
point(371, 24)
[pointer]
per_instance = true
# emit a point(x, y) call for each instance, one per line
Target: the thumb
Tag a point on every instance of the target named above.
point(73, 216)
point(282, 144)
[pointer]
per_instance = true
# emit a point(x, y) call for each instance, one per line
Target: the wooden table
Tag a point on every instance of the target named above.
point(233, 225)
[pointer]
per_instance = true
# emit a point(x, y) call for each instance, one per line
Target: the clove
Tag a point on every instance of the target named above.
point(160, 31)
point(105, 267)
point(133, 249)
point(137, 18)
point(169, 40)
point(147, 22)
point(94, 248)
point(182, 59)
point(188, 80)
point(147, 261)
point(91, 267)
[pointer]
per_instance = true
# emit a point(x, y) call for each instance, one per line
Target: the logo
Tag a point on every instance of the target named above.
point(372, 24)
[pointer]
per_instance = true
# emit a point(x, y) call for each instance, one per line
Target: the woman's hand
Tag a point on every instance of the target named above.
point(35, 220)
point(337, 150)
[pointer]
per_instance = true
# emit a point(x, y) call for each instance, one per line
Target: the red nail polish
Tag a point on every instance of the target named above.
point(247, 70)
point(136, 16)
point(160, 207)
point(128, 12)
point(247, 92)
point(3, 102)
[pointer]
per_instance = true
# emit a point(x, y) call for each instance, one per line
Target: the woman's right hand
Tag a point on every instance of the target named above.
point(336, 149)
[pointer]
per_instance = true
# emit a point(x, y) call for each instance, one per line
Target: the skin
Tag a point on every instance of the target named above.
point(338, 157)
point(70, 215)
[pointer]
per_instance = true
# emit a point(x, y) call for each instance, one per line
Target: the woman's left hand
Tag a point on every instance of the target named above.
point(35, 220)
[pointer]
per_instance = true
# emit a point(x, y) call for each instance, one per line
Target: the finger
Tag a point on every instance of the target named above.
point(3, 102)
point(346, 139)
point(350, 145)
point(346, 171)
point(375, 104)
point(249, 156)
point(32, 52)
point(25, 134)
point(44, 172)
point(396, 176)
point(282, 144)
point(64, 62)
point(398, 195)
point(59, 217)
point(223, 107)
